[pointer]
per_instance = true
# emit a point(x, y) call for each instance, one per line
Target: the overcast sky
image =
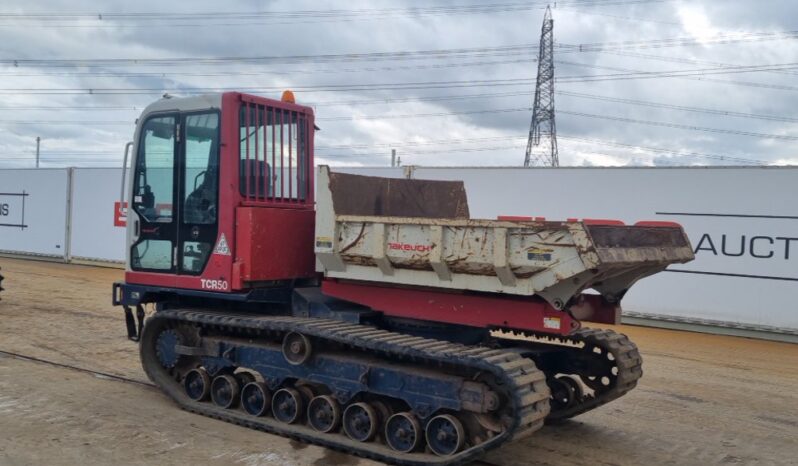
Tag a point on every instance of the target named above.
point(718, 84)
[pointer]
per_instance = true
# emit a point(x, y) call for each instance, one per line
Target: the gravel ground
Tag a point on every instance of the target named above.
point(703, 400)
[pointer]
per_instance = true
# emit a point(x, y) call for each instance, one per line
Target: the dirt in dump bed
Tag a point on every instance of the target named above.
point(703, 399)
point(398, 197)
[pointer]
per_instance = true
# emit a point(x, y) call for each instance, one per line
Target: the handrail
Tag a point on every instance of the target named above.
point(124, 173)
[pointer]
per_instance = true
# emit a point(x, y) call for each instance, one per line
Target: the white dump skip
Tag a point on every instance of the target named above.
point(555, 260)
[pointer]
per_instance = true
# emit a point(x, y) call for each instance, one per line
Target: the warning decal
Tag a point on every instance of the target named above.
point(551, 322)
point(221, 247)
point(539, 254)
point(324, 242)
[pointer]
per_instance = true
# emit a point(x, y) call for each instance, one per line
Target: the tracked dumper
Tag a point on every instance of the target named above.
point(378, 319)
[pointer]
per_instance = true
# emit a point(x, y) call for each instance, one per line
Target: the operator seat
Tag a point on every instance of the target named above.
point(201, 203)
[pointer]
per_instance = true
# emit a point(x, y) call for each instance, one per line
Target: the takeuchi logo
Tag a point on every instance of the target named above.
point(409, 247)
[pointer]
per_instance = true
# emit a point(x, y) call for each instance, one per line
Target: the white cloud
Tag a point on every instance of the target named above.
point(766, 93)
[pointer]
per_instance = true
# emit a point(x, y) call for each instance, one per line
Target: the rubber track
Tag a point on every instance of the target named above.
point(525, 383)
point(627, 359)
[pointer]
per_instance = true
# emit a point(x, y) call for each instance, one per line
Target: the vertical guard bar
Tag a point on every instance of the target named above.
point(309, 154)
point(255, 153)
point(282, 161)
point(246, 163)
point(274, 152)
point(265, 171)
point(290, 155)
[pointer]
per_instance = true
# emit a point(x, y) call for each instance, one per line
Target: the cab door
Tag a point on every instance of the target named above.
point(155, 178)
point(198, 191)
point(175, 195)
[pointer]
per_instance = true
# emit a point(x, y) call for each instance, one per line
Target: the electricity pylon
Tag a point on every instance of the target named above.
point(541, 148)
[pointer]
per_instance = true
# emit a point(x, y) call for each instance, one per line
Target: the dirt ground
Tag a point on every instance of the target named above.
point(703, 400)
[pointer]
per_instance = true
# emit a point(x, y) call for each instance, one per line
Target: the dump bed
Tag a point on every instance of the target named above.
point(418, 233)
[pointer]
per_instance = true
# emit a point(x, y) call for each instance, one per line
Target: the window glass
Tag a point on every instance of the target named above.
point(195, 254)
point(201, 176)
point(152, 254)
point(154, 183)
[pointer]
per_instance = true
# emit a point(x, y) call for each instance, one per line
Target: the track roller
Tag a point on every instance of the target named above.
point(403, 432)
point(197, 384)
point(224, 391)
point(445, 435)
point(324, 413)
point(296, 348)
point(360, 422)
point(256, 398)
point(287, 405)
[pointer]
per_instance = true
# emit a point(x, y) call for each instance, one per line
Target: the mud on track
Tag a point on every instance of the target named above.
point(703, 399)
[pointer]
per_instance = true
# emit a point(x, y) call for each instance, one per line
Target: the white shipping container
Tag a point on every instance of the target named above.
point(33, 212)
point(94, 236)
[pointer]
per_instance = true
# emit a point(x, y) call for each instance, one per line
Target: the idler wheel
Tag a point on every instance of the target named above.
point(287, 405)
point(563, 393)
point(324, 413)
point(225, 390)
point(574, 387)
point(256, 398)
point(197, 384)
point(403, 432)
point(296, 348)
point(445, 435)
point(360, 422)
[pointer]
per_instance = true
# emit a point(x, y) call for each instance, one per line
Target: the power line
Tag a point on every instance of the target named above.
point(693, 78)
point(274, 59)
point(718, 39)
point(710, 111)
point(409, 148)
point(679, 126)
point(679, 73)
point(721, 69)
point(417, 143)
point(225, 14)
point(412, 152)
point(423, 115)
point(502, 110)
point(398, 55)
point(422, 99)
point(317, 88)
point(375, 101)
point(388, 145)
point(205, 19)
point(690, 61)
point(281, 71)
point(67, 122)
point(628, 74)
point(338, 118)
